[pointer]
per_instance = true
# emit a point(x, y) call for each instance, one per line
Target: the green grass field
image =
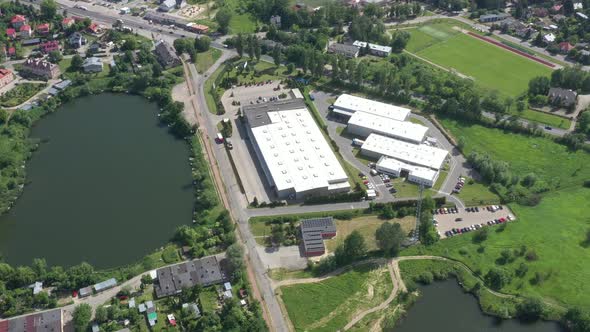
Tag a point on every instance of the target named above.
point(545, 119)
point(477, 194)
point(490, 66)
point(550, 161)
point(330, 304)
point(555, 230)
point(206, 59)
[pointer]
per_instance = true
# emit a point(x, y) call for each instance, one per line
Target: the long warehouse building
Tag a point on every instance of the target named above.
point(416, 174)
point(363, 124)
point(296, 159)
point(422, 155)
point(346, 105)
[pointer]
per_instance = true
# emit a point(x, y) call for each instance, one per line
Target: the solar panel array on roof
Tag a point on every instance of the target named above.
point(313, 232)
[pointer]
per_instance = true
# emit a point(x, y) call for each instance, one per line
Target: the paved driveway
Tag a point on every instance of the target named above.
point(289, 258)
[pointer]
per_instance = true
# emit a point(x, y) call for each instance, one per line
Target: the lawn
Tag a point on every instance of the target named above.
point(477, 194)
point(490, 66)
point(555, 230)
point(366, 225)
point(20, 94)
point(242, 23)
point(206, 59)
point(546, 119)
point(550, 161)
point(330, 304)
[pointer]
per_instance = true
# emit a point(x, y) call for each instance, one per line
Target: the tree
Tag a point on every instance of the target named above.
point(76, 63)
point(399, 40)
point(389, 238)
point(235, 256)
point(276, 55)
point(48, 9)
point(223, 18)
point(539, 86)
point(354, 247)
point(55, 56)
point(202, 44)
point(481, 235)
point(146, 280)
point(530, 309)
point(496, 278)
point(101, 314)
point(130, 45)
point(81, 317)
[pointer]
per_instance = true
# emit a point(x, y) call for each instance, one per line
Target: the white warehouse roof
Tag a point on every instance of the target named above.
point(351, 104)
point(371, 123)
point(416, 154)
point(296, 153)
point(395, 166)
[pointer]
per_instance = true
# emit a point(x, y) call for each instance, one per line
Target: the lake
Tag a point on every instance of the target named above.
point(107, 186)
point(443, 306)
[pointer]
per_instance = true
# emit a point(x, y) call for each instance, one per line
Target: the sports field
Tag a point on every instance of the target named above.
point(490, 66)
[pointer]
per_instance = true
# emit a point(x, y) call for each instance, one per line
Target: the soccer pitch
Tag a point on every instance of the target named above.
point(490, 66)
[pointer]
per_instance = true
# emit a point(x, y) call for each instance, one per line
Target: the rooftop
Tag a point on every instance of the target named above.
point(351, 104)
point(373, 47)
point(293, 147)
point(172, 279)
point(47, 321)
point(389, 127)
point(394, 164)
point(416, 154)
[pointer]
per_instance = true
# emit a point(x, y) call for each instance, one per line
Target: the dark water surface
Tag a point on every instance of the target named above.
point(109, 186)
point(443, 306)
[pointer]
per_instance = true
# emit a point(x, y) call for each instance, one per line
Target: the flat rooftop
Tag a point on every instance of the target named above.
point(389, 127)
point(416, 154)
point(293, 147)
point(418, 171)
point(350, 104)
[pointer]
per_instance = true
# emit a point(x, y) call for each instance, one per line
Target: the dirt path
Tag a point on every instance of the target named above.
point(438, 66)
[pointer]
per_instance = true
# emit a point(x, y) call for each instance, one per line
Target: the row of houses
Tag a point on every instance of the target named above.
point(171, 280)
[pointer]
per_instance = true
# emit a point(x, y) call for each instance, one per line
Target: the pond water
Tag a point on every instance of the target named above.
point(107, 186)
point(443, 306)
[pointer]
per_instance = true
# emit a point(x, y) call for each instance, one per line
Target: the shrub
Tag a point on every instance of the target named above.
point(531, 255)
point(425, 278)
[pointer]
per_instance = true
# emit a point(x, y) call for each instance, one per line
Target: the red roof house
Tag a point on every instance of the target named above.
point(11, 51)
point(67, 22)
point(565, 47)
point(43, 28)
point(25, 31)
point(52, 45)
point(556, 8)
point(18, 20)
point(10, 32)
point(94, 28)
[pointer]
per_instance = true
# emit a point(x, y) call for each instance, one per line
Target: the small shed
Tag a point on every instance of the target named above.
point(227, 286)
point(86, 291)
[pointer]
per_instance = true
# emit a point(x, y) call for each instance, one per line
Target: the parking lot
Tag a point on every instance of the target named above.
point(251, 94)
point(471, 218)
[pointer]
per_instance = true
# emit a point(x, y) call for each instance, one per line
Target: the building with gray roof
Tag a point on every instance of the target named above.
point(313, 233)
point(563, 97)
point(173, 279)
point(92, 65)
point(166, 54)
point(46, 321)
point(107, 284)
point(348, 51)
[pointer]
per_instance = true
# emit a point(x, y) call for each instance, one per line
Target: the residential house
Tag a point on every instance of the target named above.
point(348, 51)
point(46, 321)
point(52, 45)
point(549, 38)
point(565, 47)
point(67, 22)
point(43, 29)
point(25, 31)
point(578, 6)
point(11, 51)
point(168, 5)
point(84, 292)
point(76, 40)
point(151, 314)
point(276, 21)
point(31, 42)
point(313, 233)
point(18, 21)
point(95, 28)
point(374, 49)
point(173, 279)
point(166, 54)
point(540, 12)
point(563, 97)
point(489, 18)
point(6, 76)
point(11, 33)
point(92, 65)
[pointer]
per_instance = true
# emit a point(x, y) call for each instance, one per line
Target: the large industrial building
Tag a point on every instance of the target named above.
point(423, 155)
point(346, 105)
point(363, 124)
point(296, 159)
point(46, 321)
point(416, 174)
